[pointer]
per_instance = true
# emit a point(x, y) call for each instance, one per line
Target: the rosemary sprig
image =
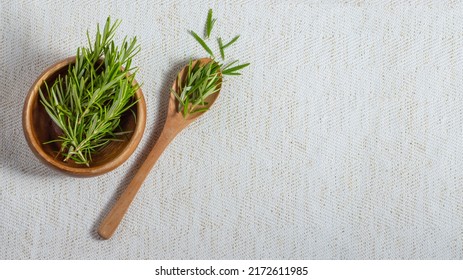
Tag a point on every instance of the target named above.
point(203, 80)
point(88, 102)
point(200, 82)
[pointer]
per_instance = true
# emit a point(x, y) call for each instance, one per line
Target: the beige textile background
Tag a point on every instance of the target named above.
point(342, 140)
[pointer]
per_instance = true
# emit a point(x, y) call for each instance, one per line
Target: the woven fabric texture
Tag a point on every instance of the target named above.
point(342, 140)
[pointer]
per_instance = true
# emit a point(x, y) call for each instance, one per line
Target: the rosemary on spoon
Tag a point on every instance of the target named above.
point(202, 81)
point(87, 103)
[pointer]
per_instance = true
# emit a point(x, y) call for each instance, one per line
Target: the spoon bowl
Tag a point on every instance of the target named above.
point(175, 122)
point(172, 112)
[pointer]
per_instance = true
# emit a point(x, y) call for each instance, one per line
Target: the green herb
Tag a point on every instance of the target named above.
point(88, 102)
point(209, 23)
point(222, 50)
point(203, 80)
point(233, 70)
point(223, 47)
point(202, 43)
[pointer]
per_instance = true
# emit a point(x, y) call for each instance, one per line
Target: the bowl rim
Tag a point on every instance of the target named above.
point(35, 145)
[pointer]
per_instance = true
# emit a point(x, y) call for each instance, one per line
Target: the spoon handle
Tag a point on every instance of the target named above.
point(114, 217)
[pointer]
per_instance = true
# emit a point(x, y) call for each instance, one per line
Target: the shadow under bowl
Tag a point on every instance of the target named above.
point(39, 129)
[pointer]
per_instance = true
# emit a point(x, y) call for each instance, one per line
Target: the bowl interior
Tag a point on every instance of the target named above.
point(43, 129)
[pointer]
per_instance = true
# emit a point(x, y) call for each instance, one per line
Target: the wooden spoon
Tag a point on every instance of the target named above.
point(175, 122)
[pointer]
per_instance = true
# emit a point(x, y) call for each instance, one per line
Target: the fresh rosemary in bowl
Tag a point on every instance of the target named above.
point(87, 103)
point(204, 80)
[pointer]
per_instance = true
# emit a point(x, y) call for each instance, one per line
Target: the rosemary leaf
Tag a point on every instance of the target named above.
point(231, 42)
point(233, 74)
point(209, 23)
point(221, 48)
point(232, 70)
point(202, 43)
point(229, 65)
point(200, 110)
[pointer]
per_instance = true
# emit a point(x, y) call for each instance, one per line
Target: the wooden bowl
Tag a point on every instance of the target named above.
point(39, 128)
